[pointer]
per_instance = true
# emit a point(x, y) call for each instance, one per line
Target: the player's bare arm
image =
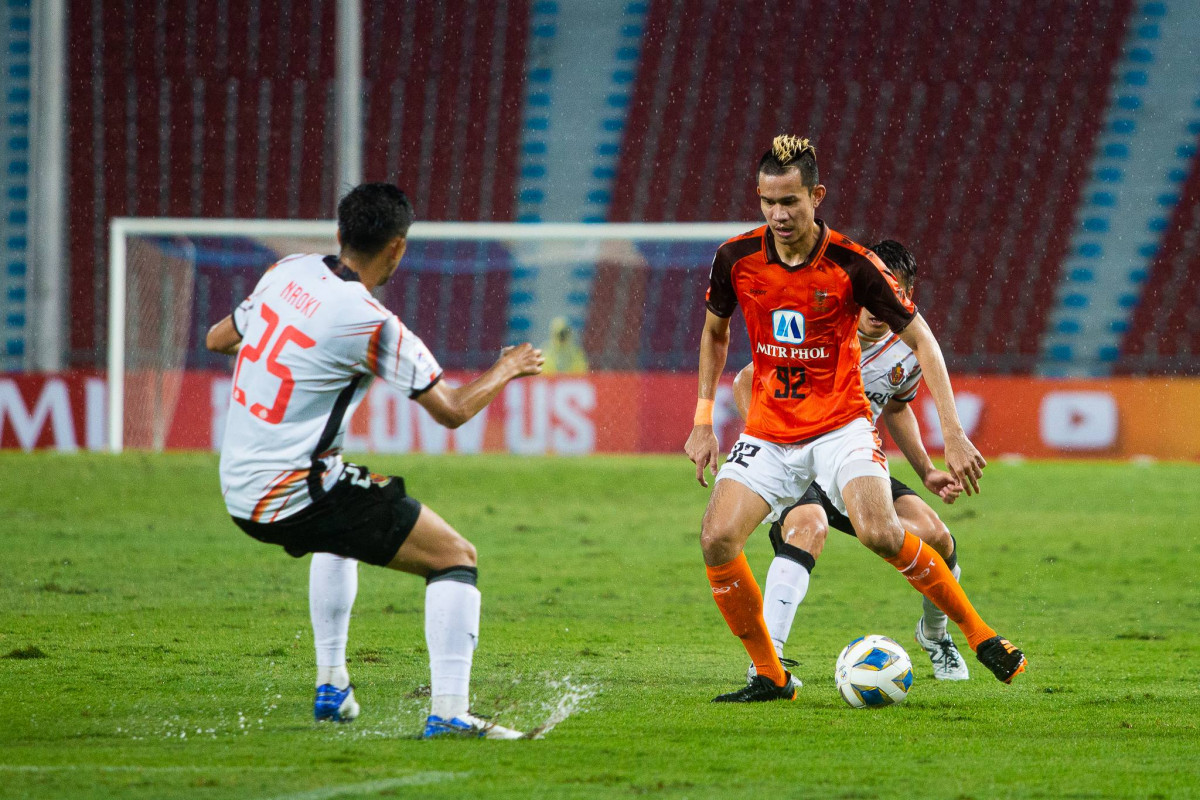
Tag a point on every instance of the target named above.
point(453, 406)
point(223, 337)
point(902, 423)
point(702, 447)
point(962, 458)
point(741, 390)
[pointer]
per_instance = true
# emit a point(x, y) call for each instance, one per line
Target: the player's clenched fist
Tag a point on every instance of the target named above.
point(703, 450)
point(524, 358)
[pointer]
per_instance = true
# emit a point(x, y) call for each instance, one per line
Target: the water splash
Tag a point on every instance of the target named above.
point(571, 698)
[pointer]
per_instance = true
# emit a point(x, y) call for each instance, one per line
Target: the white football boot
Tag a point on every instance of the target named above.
point(948, 663)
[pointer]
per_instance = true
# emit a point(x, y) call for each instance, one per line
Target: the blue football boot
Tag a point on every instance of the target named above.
point(335, 705)
point(468, 726)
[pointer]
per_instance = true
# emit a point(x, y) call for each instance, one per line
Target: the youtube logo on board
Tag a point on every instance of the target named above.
point(1079, 420)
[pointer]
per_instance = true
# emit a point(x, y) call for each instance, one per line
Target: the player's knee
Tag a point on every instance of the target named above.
point(718, 542)
point(454, 551)
point(466, 552)
point(883, 538)
point(929, 528)
point(807, 534)
point(714, 540)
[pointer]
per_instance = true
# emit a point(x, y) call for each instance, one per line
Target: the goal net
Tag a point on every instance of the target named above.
point(625, 297)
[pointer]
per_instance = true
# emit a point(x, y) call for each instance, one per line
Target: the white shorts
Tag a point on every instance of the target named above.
point(781, 473)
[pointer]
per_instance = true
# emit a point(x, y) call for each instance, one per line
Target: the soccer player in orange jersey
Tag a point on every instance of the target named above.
point(891, 377)
point(801, 287)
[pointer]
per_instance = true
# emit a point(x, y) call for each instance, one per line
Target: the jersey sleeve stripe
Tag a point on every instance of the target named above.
point(888, 345)
point(373, 350)
point(399, 341)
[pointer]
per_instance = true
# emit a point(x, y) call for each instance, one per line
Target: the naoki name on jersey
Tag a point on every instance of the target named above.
point(803, 322)
point(313, 339)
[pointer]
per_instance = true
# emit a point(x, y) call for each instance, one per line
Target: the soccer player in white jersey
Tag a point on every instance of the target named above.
point(891, 376)
point(309, 340)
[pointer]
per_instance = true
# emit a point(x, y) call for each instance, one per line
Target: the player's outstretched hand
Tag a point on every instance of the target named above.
point(703, 450)
point(942, 484)
point(964, 462)
point(524, 358)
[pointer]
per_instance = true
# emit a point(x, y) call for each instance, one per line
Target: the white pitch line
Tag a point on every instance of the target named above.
point(324, 793)
point(352, 789)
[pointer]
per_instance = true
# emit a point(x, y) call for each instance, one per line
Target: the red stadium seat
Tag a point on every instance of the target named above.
point(205, 115)
point(927, 131)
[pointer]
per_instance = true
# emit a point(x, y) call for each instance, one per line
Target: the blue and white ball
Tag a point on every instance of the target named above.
point(872, 672)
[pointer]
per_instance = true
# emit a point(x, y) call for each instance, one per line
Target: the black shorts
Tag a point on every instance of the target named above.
point(364, 516)
point(815, 496)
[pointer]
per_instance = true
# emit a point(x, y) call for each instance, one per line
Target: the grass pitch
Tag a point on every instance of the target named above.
point(149, 649)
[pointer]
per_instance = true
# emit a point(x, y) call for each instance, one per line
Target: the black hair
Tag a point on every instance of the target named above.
point(371, 215)
point(791, 152)
point(898, 259)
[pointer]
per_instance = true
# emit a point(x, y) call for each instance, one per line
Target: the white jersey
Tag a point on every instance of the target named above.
point(312, 342)
point(889, 370)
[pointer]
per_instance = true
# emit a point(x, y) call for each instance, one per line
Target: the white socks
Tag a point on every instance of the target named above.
point(933, 623)
point(451, 634)
point(332, 585)
point(451, 628)
point(787, 583)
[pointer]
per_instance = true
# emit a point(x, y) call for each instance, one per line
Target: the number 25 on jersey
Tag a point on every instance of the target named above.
point(251, 354)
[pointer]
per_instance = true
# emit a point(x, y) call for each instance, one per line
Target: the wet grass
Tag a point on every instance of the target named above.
point(152, 650)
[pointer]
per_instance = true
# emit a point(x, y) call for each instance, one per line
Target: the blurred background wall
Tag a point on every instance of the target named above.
point(1038, 156)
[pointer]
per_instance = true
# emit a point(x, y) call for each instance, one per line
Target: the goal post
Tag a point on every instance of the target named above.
point(484, 283)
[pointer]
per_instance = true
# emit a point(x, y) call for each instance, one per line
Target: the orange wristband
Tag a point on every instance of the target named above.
point(704, 412)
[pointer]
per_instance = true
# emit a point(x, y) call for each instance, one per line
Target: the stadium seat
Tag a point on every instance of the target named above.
point(1007, 132)
point(226, 110)
point(1163, 333)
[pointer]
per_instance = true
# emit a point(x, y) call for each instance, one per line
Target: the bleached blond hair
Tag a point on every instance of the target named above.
point(787, 148)
point(791, 152)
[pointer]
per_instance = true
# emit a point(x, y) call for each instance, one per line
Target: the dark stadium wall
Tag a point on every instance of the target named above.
point(965, 131)
point(197, 115)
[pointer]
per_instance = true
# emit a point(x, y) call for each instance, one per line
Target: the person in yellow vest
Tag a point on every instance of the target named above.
point(563, 356)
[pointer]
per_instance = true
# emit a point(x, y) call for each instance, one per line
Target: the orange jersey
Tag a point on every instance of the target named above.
point(802, 323)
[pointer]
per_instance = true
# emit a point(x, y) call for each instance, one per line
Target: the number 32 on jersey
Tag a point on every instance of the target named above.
point(251, 354)
point(792, 380)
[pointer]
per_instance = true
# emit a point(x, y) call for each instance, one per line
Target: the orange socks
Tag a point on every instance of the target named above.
point(740, 600)
point(929, 575)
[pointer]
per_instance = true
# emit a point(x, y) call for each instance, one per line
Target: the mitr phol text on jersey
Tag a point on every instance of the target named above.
point(802, 353)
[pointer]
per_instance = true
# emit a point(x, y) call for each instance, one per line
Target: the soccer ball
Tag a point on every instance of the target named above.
point(872, 672)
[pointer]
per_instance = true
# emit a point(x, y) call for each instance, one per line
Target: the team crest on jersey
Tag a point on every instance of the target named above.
point(820, 300)
point(897, 375)
point(788, 326)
